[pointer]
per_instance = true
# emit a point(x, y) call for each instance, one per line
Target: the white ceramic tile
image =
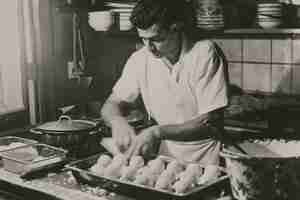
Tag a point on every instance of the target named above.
point(296, 51)
point(235, 74)
point(281, 79)
point(232, 48)
point(257, 50)
point(257, 77)
point(281, 50)
point(296, 80)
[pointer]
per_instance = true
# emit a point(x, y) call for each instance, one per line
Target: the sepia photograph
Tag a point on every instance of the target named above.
point(150, 100)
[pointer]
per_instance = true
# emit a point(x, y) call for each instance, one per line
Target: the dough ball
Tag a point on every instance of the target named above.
point(104, 160)
point(119, 160)
point(165, 180)
point(211, 172)
point(186, 182)
point(136, 162)
point(113, 171)
point(128, 173)
point(194, 169)
point(156, 166)
point(142, 179)
point(181, 186)
point(97, 169)
point(175, 167)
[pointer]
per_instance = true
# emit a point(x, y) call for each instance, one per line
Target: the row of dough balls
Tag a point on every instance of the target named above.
point(171, 176)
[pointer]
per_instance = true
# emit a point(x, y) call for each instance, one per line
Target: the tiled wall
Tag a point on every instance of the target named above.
point(270, 65)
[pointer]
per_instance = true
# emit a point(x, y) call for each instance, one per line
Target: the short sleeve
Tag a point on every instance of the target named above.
point(127, 88)
point(210, 85)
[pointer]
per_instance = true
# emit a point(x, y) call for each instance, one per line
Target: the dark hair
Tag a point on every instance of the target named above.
point(161, 12)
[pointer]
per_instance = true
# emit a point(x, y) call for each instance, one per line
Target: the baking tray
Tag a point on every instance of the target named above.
point(31, 158)
point(6, 141)
point(81, 172)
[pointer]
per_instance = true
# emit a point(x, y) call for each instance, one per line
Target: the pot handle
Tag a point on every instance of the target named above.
point(35, 131)
point(93, 132)
point(64, 117)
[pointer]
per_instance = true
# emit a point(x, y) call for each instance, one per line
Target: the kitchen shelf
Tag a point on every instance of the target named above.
point(244, 32)
point(263, 31)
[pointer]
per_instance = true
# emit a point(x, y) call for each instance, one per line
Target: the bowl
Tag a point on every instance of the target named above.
point(269, 23)
point(264, 169)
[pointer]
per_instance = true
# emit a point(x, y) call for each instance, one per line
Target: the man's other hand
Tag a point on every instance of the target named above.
point(146, 143)
point(122, 133)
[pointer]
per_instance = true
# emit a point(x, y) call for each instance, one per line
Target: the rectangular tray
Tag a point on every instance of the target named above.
point(45, 156)
point(81, 172)
point(6, 141)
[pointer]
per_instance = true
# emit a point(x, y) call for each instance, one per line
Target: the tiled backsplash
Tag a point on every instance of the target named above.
point(265, 65)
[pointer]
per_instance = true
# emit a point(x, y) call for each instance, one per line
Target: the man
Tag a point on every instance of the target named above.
point(181, 82)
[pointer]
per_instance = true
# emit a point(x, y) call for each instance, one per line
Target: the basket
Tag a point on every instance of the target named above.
point(270, 169)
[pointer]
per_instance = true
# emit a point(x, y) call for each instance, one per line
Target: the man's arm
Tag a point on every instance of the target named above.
point(122, 132)
point(111, 110)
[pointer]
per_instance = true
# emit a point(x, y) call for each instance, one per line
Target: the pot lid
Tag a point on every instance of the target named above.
point(65, 123)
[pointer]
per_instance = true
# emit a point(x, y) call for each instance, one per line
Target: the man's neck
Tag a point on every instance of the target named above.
point(174, 55)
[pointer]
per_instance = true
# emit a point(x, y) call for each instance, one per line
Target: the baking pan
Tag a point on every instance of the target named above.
point(10, 142)
point(81, 172)
point(31, 158)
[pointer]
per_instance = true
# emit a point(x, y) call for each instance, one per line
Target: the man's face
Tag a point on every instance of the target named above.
point(160, 42)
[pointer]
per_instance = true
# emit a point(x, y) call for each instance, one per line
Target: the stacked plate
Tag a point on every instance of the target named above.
point(124, 11)
point(210, 17)
point(269, 15)
point(101, 20)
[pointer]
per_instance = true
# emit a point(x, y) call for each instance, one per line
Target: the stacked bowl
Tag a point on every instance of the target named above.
point(269, 15)
point(101, 20)
point(209, 15)
point(123, 10)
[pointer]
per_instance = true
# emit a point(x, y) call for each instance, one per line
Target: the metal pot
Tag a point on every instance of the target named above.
point(66, 133)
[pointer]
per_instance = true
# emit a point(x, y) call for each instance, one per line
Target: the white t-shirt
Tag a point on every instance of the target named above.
point(195, 85)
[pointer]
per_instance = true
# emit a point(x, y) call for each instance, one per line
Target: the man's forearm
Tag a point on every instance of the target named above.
point(111, 111)
point(196, 129)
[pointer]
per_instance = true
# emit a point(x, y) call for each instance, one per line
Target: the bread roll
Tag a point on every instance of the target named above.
point(175, 167)
point(156, 166)
point(136, 162)
point(104, 160)
point(165, 180)
point(97, 169)
point(211, 172)
point(194, 169)
point(186, 182)
point(113, 170)
point(128, 173)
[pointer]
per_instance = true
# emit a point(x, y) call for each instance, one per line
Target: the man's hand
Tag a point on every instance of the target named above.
point(146, 143)
point(122, 134)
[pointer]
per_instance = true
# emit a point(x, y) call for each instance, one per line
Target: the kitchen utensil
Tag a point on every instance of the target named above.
point(73, 135)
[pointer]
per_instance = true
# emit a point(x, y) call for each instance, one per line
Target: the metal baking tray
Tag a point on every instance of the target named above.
point(81, 172)
point(11, 142)
point(27, 159)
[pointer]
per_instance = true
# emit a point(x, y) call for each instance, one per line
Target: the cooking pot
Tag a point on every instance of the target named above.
point(69, 134)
